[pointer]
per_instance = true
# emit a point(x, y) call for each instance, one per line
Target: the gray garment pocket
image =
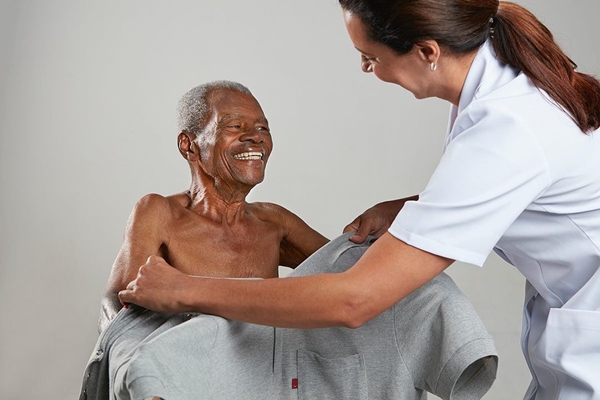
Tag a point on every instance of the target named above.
point(321, 378)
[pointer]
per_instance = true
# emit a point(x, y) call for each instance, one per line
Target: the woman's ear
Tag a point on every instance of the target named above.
point(186, 145)
point(429, 51)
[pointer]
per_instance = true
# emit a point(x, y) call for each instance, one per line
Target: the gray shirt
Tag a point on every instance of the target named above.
point(432, 341)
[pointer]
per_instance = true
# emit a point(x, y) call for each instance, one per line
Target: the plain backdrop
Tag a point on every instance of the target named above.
point(88, 92)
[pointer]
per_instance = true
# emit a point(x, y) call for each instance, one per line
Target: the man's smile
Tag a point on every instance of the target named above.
point(250, 155)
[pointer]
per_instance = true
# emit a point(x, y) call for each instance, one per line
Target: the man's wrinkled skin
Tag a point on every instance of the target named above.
point(210, 229)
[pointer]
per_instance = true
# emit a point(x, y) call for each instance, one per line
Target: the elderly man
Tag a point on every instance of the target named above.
point(432, 341)
point(211, 229)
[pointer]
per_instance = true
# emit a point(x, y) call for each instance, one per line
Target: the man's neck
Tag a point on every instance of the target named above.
point(218, 202)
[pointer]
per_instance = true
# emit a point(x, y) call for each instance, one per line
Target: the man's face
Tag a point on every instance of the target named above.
point(236, 142)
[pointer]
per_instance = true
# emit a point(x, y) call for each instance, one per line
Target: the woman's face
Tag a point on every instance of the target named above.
point(408, 70)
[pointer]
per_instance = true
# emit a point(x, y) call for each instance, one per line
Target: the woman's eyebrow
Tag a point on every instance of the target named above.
point(363, 52)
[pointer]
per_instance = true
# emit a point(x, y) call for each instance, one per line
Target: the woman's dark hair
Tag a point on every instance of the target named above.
point(462, 26)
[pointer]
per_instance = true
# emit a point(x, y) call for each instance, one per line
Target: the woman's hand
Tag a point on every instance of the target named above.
point(158, 286)
point(376, 220)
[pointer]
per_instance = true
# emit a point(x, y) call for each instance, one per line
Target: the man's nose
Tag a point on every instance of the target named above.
point(252, 135)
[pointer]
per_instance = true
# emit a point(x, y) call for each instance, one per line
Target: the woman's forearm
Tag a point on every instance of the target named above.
point(387, 272)
point(315, 301)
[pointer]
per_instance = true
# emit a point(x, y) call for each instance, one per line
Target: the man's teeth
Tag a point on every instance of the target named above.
point(248, 156)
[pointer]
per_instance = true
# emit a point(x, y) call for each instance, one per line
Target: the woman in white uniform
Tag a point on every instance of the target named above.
point(520, 175)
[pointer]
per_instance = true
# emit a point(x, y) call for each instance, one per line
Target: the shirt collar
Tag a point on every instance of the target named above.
point(484, 64)
point(486, 74)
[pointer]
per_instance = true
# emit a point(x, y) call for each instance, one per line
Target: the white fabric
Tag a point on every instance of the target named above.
point(518, 176)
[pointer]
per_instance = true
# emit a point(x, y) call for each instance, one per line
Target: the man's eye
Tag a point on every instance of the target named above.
point(235, 126)
point(263, 128)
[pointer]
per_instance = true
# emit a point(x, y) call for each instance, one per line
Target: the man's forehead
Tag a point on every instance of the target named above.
point(225, 96)
point(228, 104)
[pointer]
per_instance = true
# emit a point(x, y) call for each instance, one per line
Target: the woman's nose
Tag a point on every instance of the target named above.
point(366, 66)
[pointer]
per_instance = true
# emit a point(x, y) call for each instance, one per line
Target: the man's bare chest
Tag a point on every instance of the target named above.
point(245, 251)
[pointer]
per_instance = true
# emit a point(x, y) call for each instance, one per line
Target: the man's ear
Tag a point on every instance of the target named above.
point(187, 147)
point(429, 51)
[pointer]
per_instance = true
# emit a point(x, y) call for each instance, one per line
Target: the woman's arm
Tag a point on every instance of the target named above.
point(386, 273)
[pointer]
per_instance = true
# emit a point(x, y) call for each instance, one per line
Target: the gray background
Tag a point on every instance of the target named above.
point(87, 98)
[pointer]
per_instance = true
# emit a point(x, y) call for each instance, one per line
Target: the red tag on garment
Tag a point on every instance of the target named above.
point(295, 383)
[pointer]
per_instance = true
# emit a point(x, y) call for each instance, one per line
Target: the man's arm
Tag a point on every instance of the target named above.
point(299, 240)
point(144, 236)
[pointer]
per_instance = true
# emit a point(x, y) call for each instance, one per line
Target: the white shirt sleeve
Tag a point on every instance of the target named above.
point(490, 172)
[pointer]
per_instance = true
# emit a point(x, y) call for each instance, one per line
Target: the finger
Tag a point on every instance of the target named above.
point(358, 239)
point(154, 259)
point(363, 231)
point(126, 297)
point(352, 226)
point(360, 235)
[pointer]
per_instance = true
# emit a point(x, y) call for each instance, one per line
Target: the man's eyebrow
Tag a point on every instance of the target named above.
point(231, 116)
point(227, 117)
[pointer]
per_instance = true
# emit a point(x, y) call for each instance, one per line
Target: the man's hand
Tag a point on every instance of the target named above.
point(376, 220)
point(158, 287)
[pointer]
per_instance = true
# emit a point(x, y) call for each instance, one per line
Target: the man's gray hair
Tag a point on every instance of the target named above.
point(193, 107)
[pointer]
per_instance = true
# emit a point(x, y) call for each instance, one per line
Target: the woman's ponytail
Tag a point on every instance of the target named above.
point(522, 41)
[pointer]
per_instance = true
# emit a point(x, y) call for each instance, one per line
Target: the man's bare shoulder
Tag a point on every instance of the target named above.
point(269, 211)
point(277, 214)
point(154, 204)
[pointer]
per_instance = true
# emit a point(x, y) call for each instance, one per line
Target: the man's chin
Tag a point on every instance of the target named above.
point(251, 180)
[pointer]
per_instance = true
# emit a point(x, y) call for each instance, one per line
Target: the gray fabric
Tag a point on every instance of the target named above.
point(206, 357)
point(422, 344)
point(120, 338)
point(185, 356)
point(432, 341)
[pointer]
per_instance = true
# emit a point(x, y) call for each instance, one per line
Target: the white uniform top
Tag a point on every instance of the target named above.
point(519, 177)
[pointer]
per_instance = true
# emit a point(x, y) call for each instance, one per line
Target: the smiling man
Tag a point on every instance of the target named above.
point(211, 229)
